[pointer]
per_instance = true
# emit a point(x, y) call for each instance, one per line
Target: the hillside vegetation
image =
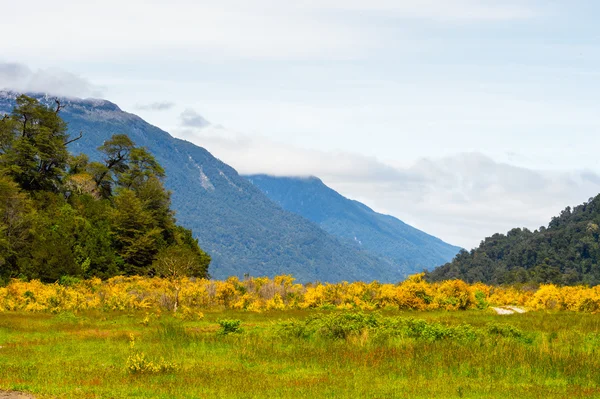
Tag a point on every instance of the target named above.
point(404, 246)
point(567, 252)
point(242, 230)
point(63, 216)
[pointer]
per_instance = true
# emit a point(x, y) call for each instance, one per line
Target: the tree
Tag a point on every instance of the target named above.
point(16, 215)
point(33, 142)
point(61, 215)
point(135, 234)
point(174, 264)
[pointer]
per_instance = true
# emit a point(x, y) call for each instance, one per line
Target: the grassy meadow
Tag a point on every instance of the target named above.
point(301, 353)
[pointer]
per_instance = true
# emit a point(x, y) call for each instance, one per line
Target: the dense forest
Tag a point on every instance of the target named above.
point(567, 252)
point(66, 216)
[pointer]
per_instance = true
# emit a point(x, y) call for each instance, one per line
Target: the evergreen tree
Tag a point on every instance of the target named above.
point(61, 215)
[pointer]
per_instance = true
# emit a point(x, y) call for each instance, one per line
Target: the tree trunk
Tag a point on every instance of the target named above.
point(176, 304)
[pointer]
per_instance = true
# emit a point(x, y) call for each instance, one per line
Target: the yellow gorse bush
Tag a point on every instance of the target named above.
point(138, 362)
point(281, 293)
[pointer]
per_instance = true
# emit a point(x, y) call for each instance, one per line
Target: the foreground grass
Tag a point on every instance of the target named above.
point(86, 356)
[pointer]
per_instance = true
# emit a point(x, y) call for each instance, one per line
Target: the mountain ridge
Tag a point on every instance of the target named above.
point(242, 230)
point(384, 235)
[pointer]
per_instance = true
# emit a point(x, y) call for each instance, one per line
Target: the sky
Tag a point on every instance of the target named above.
point(461, 117)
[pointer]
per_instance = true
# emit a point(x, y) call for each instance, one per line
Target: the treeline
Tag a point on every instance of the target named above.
point(64, 215)
point(567, 252)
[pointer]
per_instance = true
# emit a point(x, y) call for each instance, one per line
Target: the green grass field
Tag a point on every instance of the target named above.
point(322, 354)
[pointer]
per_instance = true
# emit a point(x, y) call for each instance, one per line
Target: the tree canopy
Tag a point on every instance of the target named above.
point(62, 215)
point(567, 252)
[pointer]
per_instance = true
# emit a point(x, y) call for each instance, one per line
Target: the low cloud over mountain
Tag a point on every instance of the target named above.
point(54, 81)
point(462, 198)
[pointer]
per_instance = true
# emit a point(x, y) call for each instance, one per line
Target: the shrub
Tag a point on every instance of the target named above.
point(230, 327)
point(138, 363)
point(341, 326)
point(508, 331)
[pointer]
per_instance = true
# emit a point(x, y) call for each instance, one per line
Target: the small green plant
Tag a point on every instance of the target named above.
point(69, 281)
point(480, 301)
point(68, 317)
point(229, 326)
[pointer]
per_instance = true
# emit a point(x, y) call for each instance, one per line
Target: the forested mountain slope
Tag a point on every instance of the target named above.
point(383, 235)
point(565, 252)
point(242, 230)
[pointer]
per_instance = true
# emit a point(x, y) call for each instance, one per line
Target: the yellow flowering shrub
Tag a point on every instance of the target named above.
point(454, 295)
point(416, 294)
point(281, 293)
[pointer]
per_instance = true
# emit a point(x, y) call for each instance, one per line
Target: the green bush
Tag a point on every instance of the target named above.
point(508, 331)
point(341, 326)
point(69, 281)
point(230, 327)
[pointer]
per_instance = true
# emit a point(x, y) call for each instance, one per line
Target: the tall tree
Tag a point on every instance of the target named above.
point(33, 143)
point(63, 215)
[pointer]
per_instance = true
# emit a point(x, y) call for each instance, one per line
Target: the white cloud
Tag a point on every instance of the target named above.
point(18, 77)
point(461, 199)
point(446, 10)
point(229, 28)
point(190, 118)
point(156, 106)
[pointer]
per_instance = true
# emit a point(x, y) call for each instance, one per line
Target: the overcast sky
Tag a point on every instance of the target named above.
point(461, 117)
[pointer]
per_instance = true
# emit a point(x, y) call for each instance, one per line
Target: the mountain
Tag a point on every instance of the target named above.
point(566, 252)
point(353, 222)
point(242, 229)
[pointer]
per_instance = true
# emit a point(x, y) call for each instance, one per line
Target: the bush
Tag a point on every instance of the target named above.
point(508, 331)
point(341, 326)
point(230, 327)
point(69, 281)
point(138, 363)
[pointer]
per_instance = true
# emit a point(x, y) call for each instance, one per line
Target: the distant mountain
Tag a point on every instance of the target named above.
point(385, 236)
point(242, 230)
point(566, 252)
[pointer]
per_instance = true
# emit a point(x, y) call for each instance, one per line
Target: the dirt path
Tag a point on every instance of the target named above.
point(505, 310)
point(14, 395)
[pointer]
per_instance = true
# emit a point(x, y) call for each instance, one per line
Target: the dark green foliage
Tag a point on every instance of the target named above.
point(230, 327)
point(33, 145)
point(61, 215)
point(408, 249)
point(567, 252)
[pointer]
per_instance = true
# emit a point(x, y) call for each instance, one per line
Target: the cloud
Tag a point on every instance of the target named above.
point(190, 118)
point(19, 77)
point(156, 106)
point(461, 198)
point(262, 29)
point(445, 10)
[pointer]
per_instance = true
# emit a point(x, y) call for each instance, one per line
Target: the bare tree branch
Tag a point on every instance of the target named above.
point(59, 106)
point(75, 139)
